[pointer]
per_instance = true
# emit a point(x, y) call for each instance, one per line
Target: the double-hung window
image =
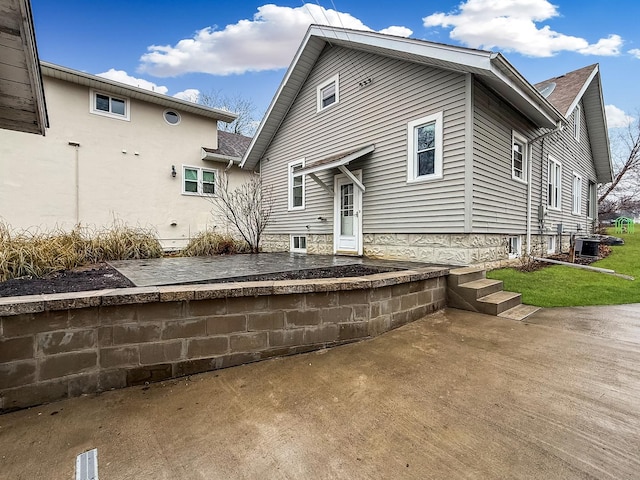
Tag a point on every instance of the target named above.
point(519, 158)
point(328, 93)
point(198, 181)
point(108, 105)
point(296, 185)
point(424, 147)
point(576, 123)
point(576, 194)
point(554, 184)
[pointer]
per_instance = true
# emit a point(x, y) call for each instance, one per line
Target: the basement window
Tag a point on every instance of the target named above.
point(514, 245)
point(299, 243)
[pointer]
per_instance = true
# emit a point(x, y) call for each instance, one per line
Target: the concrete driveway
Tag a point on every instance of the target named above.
point(454, 395)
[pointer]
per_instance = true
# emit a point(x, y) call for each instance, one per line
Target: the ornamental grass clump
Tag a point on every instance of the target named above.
point(36, 254)
point(210, 243)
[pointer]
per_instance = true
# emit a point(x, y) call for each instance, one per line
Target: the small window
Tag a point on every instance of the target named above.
point(198, 181)
point(592, 201)
point(519, 158)
point(296, 186)
point(328, 93)
point(576, 194)
point(514, 245)
point(171, 117)
point(424, 145)
point(554, 184)
point(298, 243)
point(576, 122)
point(109, 106)
point(551, 244)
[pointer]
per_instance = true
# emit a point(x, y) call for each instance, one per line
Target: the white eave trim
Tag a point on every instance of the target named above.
point(100, 83)
point(312, 169)
point(216, 157)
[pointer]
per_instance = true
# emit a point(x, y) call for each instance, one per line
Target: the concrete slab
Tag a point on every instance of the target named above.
point(454, 395)
point(179, 270)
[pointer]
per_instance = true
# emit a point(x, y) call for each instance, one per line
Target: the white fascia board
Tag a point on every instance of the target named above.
point(507, 74)
point(105, 84)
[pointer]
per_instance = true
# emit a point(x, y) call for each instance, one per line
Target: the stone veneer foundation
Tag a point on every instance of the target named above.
point(63, 345)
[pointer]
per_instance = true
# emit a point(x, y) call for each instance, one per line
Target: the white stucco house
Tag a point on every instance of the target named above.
point(114, 151)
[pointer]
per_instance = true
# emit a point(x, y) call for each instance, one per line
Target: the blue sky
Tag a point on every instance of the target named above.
point(243, 48)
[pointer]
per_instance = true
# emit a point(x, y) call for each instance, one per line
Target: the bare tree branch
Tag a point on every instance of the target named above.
point(623, 193)
point(247, 207)
point(245, 124)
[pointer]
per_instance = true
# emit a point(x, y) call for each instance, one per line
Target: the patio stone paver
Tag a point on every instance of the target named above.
point(179, 270)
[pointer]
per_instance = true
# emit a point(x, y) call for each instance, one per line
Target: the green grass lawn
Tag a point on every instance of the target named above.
point(560, 286)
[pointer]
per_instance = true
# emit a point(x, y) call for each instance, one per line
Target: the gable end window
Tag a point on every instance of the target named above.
point(576, 123)
point(554, 184)
point(576, 194)
point(296, 185)
point(424, 147)
point(110, 106)
point(328, 93)
point(519, 158)
point(198, 181)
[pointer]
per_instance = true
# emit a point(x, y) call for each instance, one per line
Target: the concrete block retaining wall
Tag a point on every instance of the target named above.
point(64, 345)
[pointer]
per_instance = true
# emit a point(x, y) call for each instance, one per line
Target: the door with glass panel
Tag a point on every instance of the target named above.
point(347, 216)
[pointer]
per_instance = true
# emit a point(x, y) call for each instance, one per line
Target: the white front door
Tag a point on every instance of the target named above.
point(347, 231)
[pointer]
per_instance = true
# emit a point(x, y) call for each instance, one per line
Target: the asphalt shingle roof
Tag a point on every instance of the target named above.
point(568, 86)
point(230, 145)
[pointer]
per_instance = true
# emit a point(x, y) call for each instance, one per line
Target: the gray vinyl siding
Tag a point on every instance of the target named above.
point(575, 157)
point(376, 114)
point(499, 201)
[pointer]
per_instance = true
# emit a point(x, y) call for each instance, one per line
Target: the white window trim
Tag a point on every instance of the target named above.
point(577, 122)
point(299, 250)
point(551, 244)
point(411, 150)
point(290, 175)
point(592, 200)
point(576, 196)
point(525, 157)
point(335, 79)
point(518, 251)
point(95, 111)
point(167, 121)
point(200, 193)
point(559, 165)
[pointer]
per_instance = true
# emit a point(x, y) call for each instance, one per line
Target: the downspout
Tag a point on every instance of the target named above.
point(76, 146)
point(529, 191)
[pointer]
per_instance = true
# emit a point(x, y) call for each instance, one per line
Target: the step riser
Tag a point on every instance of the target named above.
point(495, 309)
point(455, 280)
point(470, 293)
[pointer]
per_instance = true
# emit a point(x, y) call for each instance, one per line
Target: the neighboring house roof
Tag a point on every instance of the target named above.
point(231, 147)
point(493, 68)
point(565, 92)
point(110, 86)
point(22, 103)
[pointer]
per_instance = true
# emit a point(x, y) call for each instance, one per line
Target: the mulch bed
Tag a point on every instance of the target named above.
point(102, 276)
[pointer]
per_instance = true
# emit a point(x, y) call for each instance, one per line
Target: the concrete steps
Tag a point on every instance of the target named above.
point(468, 288)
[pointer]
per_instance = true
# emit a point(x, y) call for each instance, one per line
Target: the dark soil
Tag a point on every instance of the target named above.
point(102, 276)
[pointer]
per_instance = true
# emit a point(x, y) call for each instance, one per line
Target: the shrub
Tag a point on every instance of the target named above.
point(210, 243)
point(36, 254)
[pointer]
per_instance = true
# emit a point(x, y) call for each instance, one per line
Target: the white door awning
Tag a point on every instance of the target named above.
point(338, 161)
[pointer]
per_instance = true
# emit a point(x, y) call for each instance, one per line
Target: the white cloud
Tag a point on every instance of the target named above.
point(616, 117)
point(190, 95)
point(266, 42)
point(122, 77)
point(512, 25)
point(397, 31)
point(635, 52)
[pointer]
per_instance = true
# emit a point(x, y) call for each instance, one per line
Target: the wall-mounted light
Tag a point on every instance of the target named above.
point(173, 171)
